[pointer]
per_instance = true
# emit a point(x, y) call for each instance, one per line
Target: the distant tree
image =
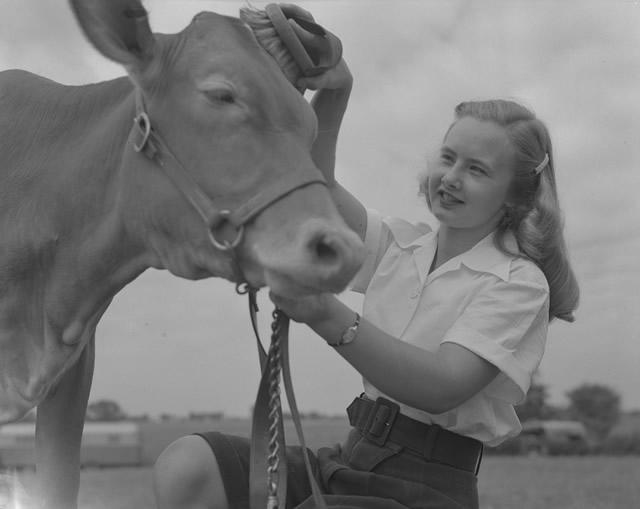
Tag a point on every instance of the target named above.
point(535, 405)
point(105, 410)
point(597, 407)
point(205, 416)
point(139, 418)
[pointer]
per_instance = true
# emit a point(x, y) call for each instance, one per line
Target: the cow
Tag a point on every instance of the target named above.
point(196, 161)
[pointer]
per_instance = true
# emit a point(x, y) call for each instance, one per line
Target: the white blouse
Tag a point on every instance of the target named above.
point(491, 303)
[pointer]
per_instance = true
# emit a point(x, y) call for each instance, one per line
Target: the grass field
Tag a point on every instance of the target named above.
point(504, 483)
point(588, 482)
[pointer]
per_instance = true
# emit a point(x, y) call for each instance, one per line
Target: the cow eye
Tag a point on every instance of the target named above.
point(221, 95)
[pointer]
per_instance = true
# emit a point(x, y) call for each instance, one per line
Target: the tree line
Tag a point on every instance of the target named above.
point(596, 406)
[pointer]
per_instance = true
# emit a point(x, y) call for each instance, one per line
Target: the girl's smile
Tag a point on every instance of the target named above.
point(448, 200)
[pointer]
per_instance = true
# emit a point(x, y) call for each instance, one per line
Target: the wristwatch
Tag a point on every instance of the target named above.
point(349, 334)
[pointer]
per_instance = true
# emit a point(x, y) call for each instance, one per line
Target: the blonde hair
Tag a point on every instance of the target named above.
point(533, 211)
point(262, 28)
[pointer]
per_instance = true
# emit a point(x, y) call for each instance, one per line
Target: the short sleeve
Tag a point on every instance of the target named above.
point(506, 323)
point(380, 234)
point(376, 241)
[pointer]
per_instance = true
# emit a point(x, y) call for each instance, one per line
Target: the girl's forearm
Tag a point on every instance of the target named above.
point(330, 106)
point(409, 374)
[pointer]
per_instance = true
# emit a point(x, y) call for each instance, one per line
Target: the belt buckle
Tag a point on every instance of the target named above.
point(380, 421)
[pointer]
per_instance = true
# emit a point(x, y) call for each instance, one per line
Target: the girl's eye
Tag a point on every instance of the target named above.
point(477, 169)
point(447, 158)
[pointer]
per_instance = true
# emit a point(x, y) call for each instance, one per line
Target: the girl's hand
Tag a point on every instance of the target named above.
point(325, 53)
point(310, 309)
point(338, 77)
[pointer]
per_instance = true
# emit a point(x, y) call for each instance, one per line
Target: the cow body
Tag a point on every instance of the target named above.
point(82, 213)
point(64, 250)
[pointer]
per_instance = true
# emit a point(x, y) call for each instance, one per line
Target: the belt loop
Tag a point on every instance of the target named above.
point(479, 459)
point(430, 441)
point(352, 412)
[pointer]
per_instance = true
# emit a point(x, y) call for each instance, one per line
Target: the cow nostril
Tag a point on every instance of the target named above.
point(325, 251)
point(332, 257)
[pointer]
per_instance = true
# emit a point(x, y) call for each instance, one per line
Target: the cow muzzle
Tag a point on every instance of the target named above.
point(317, 257)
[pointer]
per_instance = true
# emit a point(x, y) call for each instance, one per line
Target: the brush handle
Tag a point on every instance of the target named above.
point(325, 53)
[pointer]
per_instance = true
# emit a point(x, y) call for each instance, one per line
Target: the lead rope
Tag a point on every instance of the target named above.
point(268, 466)
point(274, 365)
point(293, 406)
point(271, 367)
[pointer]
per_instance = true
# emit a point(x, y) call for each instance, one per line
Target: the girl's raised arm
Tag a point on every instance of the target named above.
point(333, 89)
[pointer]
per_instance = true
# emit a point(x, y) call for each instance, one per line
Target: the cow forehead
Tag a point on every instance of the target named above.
point(224, 32)
point(212, 38)
point(217, 47)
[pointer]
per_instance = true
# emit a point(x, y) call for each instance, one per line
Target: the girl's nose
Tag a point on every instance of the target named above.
point(451, 179)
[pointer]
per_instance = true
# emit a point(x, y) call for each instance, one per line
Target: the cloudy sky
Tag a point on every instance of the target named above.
point(169, 345)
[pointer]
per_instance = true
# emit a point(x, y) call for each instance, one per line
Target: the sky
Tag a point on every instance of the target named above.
point(167, 345)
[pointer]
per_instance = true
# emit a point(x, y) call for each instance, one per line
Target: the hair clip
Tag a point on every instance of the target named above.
point(543, 164)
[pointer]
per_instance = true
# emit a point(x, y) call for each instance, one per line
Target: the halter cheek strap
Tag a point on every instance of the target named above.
point(147, 140)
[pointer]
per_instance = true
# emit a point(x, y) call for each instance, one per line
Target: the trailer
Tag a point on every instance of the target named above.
point(553, 437)
point(104, 444)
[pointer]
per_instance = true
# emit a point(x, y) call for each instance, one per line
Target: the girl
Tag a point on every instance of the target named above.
point(453, 326)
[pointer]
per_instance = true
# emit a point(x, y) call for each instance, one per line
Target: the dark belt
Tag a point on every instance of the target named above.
point(381, 421)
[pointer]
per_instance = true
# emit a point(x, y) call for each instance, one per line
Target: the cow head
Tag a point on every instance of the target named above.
point(231, 122)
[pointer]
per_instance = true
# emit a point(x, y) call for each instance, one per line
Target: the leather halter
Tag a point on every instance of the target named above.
point(148, 141)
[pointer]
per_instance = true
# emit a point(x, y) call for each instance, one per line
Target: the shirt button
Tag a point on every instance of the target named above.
point(415, 294)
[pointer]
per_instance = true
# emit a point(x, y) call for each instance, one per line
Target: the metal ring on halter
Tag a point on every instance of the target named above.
point(225, 245)
point(243, 288)
point(143, 123)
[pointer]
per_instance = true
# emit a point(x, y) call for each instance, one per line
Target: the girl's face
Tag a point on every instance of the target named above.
point(470, 177)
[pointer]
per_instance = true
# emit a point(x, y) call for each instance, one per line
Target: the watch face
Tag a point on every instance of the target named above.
point(349, 334)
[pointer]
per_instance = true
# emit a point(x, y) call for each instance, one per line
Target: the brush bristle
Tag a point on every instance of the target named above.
point(268, 38)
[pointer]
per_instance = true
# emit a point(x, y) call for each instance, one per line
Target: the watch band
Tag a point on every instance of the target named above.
point(349, 334)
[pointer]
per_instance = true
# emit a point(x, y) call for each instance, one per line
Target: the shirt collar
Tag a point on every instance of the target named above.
point(483, 257)
point(486, 257)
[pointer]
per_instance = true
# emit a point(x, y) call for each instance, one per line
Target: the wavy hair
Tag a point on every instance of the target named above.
point(533, 211)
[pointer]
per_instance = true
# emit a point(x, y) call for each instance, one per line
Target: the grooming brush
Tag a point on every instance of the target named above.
point(313, 49)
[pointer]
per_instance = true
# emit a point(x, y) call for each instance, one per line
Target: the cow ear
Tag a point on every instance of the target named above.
point(119, 29)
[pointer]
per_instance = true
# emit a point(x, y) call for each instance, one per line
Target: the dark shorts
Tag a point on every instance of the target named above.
point(358, 473)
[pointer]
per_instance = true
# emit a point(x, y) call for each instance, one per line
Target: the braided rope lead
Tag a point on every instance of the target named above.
point(275, 410)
